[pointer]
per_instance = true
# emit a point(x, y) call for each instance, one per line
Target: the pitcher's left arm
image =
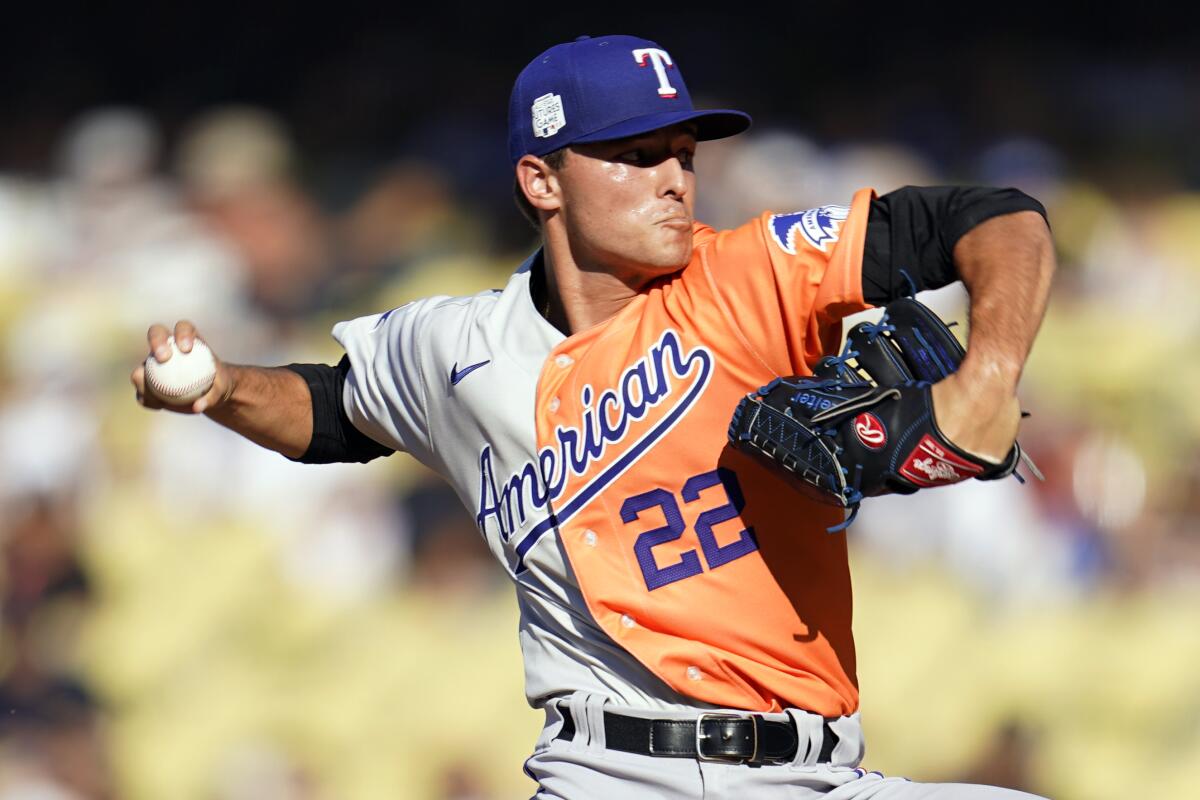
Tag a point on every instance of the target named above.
point(998, 242)
point(1006, 264)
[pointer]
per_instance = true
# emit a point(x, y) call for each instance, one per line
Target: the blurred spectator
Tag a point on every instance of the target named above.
point(781, 170)
point(238, 171)
point(118, 227)
point(405, 217)
point(1029, 164)
point(1006, 760)
point(449, 555)
point(462, 782)
point(262, 771)
point(50, 730)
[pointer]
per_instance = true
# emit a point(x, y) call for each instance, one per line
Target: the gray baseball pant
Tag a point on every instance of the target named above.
point(582, 768)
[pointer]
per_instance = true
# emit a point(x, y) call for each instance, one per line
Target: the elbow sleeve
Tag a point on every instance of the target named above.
point(334, 437)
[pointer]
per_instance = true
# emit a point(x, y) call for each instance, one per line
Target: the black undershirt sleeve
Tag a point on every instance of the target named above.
point(912, 231)
point(334, 437)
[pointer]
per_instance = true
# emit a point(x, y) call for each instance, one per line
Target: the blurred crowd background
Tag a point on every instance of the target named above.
point(186, 615)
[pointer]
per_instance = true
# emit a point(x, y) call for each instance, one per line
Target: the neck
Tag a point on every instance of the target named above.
point(577, 297)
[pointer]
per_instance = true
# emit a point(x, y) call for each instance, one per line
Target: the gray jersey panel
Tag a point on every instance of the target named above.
point(402, 391)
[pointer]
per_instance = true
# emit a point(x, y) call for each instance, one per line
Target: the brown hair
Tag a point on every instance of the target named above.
point(554, 160)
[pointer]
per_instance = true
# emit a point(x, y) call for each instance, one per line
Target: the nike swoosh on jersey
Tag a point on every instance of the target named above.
point(457, 375)
point(383, 317)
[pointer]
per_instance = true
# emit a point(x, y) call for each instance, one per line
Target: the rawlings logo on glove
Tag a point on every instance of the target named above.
point(870, 430)
point(850, 432)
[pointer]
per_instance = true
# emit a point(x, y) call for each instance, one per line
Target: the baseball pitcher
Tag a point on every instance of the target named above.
point(685, 611)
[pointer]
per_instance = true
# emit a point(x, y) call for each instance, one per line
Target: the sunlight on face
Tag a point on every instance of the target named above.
point(627, 204)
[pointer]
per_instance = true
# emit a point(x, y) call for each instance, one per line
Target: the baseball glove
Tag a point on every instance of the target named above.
point(850, 432)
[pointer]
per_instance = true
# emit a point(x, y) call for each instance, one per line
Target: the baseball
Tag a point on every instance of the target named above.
point(184, 377)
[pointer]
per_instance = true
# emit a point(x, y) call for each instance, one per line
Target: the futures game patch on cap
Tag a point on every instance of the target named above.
point(591, 90)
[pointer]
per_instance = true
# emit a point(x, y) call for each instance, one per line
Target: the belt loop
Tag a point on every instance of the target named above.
point(756, 720)
point(595, 714)
point(810, 731)
point(556, 720)
point(578, 704)
point(851, 747)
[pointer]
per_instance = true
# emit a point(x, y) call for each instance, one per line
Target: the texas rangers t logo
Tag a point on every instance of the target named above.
point(660, 61)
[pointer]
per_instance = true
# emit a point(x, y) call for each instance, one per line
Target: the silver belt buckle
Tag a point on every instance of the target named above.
point(700, 736)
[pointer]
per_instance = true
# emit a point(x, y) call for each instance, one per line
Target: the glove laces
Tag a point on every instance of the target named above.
point(873, 330)
point(853, 500)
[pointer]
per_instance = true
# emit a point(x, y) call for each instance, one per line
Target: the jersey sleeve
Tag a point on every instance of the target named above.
point(384, 393)
point(788, 279)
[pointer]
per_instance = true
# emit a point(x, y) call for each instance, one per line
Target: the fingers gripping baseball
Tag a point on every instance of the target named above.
point(181, 373)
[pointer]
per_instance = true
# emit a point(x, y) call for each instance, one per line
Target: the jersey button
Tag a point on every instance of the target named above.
point(694, 673)
point(627, 621)
point(589, 536)
point(563, 360)
point(554, 405)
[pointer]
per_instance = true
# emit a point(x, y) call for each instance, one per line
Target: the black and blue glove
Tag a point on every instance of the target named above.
point(863, 425)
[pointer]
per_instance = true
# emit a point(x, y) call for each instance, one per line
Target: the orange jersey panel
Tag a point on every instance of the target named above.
point(705, 565)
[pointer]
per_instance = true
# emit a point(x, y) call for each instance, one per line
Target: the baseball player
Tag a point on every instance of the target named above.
point(685, 617)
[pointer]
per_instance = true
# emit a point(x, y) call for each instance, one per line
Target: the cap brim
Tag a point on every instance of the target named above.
point(710, 124)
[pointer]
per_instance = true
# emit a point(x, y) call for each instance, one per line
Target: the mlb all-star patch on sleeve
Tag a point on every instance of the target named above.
point(384, 395)
point(789, 278)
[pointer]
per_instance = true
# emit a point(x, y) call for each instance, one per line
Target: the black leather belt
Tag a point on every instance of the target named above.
point(709, 737)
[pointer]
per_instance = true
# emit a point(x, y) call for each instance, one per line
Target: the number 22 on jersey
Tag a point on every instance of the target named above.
point(719, 481)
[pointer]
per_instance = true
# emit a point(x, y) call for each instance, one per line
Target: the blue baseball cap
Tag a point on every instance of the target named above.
point(609, 87)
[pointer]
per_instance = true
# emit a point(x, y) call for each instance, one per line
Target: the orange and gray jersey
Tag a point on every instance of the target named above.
point(653, 564)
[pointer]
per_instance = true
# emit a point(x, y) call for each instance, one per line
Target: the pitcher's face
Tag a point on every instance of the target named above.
point(627, 204)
